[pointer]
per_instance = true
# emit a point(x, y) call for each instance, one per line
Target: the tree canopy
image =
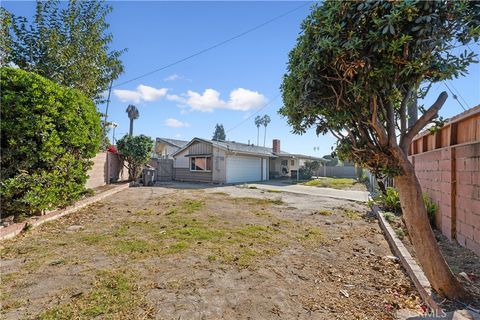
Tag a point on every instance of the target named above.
point(357, 66)
point(219, 133)
point(136, 151)
point(68, 44)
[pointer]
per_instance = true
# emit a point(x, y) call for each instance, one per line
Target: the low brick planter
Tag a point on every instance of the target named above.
point(15, 229)
point(408, 262)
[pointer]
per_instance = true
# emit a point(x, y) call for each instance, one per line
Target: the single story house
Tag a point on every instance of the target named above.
point(205, 160)
point(165, 148)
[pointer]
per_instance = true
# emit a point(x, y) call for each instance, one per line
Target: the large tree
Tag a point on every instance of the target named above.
point(219, 133)
point(356, 69)
point(68, 43)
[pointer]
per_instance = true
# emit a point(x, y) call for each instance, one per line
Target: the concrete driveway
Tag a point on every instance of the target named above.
point(354, 195)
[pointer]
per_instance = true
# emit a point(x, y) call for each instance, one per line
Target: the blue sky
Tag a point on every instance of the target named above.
point(225, 85)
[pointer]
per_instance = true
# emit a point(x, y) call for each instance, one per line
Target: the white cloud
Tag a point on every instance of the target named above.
point(176, 98)
point(244, 100)
point(240, 99)
point(173, 77)
point(142, 93)
point(174, 123)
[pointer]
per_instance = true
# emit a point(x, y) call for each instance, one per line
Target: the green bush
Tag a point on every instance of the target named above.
point(48, 134)
point(390, 200)
point(431, 207)
point(136, 151)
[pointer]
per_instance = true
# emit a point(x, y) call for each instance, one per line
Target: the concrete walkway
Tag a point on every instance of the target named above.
point(354, 195)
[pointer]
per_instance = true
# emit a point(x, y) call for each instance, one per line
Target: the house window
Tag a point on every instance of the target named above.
point(200, 164)
point(284, 162)
point(292, 162)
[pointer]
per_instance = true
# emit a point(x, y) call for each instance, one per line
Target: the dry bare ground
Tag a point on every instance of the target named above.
point(217, 253)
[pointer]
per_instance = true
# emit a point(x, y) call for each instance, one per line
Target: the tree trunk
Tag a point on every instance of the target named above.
point(258, 134)
point(433, 264)
point(264, 135)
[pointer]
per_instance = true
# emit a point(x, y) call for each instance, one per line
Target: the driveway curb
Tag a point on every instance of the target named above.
point(409, 264)
point(16, 228)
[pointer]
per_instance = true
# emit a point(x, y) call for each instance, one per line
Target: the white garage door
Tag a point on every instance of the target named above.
point(243, 169)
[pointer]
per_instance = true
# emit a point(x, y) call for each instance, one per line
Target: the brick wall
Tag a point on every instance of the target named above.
point(447, 165)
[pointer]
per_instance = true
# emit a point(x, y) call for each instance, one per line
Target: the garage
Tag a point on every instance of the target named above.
point(243, 169)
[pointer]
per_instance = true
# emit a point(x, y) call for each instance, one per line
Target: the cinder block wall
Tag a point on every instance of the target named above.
point(97, 175)
point(447, 165)
point(107, 167)
point(468, 196)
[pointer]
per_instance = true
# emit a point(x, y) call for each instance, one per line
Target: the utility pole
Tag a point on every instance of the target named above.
point(106, 109)
point(114, 125)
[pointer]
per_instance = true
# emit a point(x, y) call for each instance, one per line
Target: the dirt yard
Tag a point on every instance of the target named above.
point(214, 253)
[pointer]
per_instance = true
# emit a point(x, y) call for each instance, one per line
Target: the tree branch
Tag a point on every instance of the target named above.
point(428, 116)
point(391, 125)
point(403, 111)
point(377, 126)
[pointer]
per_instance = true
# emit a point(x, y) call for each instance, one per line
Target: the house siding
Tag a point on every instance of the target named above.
point(200, 148)
point(184, 174)
point(165, 150)
point(181, 161)
point(182, 165)
point(219, 170)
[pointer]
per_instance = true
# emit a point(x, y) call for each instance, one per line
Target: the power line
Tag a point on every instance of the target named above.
point(458, 93)
point(215, 45)
point(454, 95)
point(256, 112)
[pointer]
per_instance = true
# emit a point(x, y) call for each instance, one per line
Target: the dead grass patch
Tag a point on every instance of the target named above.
point(113, 293)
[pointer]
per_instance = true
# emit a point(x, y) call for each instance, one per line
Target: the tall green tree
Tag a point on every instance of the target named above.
point(219, 133)
point(258, 123)
point(265, 121)
point(355, 70)
point(66, 43)
point(133, 114)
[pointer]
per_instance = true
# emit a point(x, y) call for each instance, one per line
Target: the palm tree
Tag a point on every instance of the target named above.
point(258, 122)
point(132, 115)
point(265, 121)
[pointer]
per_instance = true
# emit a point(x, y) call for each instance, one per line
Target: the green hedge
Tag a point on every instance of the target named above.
point(48, 134)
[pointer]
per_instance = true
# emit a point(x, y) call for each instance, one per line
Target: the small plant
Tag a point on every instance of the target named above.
point(324, 213)
point(390, 200)
point(390, 217)
point(431, 207)
point(400, 233)
point(351, 214)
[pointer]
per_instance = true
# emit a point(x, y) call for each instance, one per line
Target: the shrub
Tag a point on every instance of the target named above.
point(48, 134)
point(136, 150)
point(390, 217)
point(431, 207)
point(390, 200)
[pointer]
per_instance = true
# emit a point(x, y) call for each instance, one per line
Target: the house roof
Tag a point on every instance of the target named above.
point(174, 142)
point(244, 148)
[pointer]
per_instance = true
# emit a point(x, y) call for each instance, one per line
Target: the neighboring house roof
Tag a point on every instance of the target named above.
point(232, 146)
point(302, 156)
point(244, 148)
point(174, 142)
